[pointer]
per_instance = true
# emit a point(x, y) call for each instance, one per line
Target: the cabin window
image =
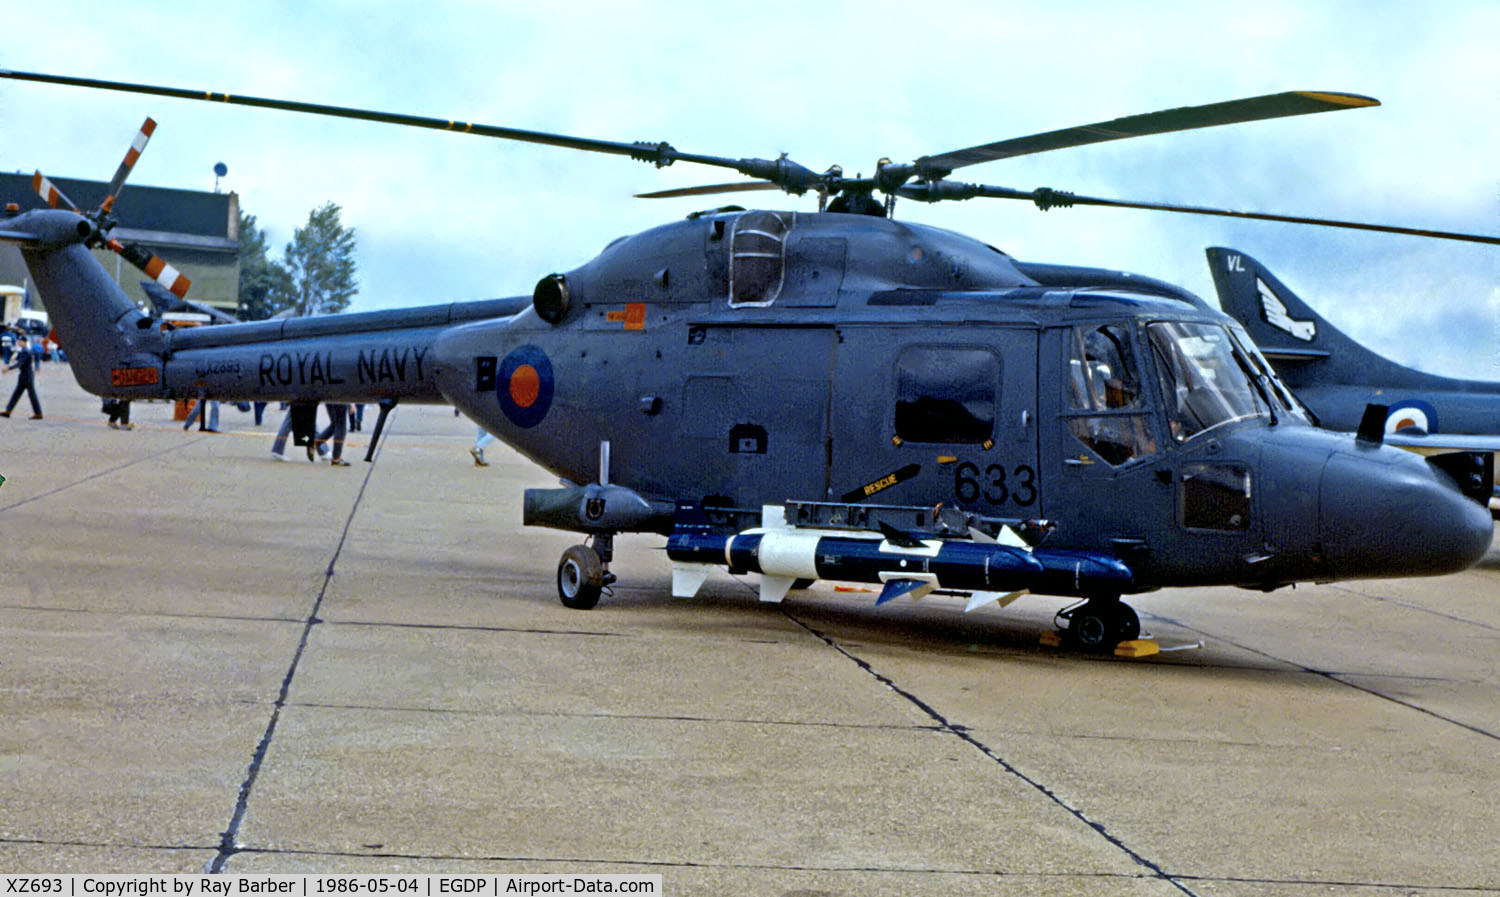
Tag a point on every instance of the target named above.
point(946, 394)
point(757, 261)
point(1106, 405)
point(1216, 497)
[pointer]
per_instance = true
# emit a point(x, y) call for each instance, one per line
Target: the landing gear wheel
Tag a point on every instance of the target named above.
point(1089, 628)
point(580, 578)
point(1127, 624)
point(1099, 625)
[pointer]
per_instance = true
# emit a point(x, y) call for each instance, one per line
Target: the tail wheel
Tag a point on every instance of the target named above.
point(580, 578)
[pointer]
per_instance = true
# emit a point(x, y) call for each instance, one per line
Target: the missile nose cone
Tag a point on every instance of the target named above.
point(1386, 512)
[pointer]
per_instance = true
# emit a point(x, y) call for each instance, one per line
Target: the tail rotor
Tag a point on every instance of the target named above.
point(104, 223)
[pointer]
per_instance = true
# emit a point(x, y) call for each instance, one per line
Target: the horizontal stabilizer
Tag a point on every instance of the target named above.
point(16, 236)
point(1294, 355)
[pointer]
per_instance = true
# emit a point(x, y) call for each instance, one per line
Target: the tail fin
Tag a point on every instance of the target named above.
point(1282, 325)
point(1307, 350)
point(110, 347)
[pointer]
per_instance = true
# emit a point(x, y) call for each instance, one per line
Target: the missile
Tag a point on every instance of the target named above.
point(904, 565)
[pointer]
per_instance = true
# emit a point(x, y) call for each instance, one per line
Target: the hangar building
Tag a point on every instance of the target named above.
point(195, 232)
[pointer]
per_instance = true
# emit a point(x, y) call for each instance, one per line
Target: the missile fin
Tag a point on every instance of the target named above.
point(896, 587)
point(980, 599)
point(687, 579)
point(1010, 537)
point(774, 588)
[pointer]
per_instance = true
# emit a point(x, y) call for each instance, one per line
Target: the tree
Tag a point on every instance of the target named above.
point(260, 278)
point(319, 266)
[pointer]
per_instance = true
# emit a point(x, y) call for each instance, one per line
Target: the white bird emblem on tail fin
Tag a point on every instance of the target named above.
point(1277, 316)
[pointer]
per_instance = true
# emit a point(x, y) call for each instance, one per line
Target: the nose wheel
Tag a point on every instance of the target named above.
point(582, 577)
point(1100, 624)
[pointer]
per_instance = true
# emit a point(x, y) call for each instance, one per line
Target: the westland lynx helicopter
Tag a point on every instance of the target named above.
point(843, 395)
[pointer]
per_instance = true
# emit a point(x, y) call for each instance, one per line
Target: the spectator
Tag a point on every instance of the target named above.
point(119, 414)
point(338, 428)
point(211, 425)
point(26, 363)
point(484, 438)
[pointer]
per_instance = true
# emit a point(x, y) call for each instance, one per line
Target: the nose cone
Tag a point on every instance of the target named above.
point(1386, 512)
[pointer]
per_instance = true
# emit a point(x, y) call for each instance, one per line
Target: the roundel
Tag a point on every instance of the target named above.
point(1411, 414)
point(523, 384)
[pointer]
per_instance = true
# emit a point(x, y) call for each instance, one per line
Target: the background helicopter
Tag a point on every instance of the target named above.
point(838, 356)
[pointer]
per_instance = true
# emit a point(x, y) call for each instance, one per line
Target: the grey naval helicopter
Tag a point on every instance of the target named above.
point(840, 395)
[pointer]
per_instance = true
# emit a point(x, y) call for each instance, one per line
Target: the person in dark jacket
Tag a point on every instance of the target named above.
point(25, 363)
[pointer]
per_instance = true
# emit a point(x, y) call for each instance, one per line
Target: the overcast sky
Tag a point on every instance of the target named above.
point(444, 216)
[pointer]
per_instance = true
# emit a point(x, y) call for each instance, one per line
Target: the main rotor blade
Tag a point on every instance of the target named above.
point(708, 189)
point(1047, 198)
point(1276, 105)
point(137, 146)
point(789, 175)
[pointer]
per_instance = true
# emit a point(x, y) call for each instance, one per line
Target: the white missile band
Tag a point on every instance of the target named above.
point(791, 554)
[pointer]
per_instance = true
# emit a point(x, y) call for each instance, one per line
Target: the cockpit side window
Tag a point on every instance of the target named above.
point(1104, 373)
point(1106, 406)
point(757, 259)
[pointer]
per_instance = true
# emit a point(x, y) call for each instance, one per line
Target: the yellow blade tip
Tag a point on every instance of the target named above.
point(1351, 100)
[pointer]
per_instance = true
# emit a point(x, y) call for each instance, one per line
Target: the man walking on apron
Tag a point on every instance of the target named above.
point(26, 364)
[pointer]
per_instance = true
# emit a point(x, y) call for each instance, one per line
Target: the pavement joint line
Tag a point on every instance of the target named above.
point(170, 615)
point(102, 845)
point(1331, 883)
point(1386, 599)
point(1335, 676)
point(227, 845)
point(963, 733)
point(624, 717)
point(1297, 669)
point(376, 853)
point(93, 476)
point(478, 628)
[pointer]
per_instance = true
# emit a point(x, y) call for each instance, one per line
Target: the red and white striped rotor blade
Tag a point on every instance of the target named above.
point(49, 192)
point(137, 146)
point(155, 268)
